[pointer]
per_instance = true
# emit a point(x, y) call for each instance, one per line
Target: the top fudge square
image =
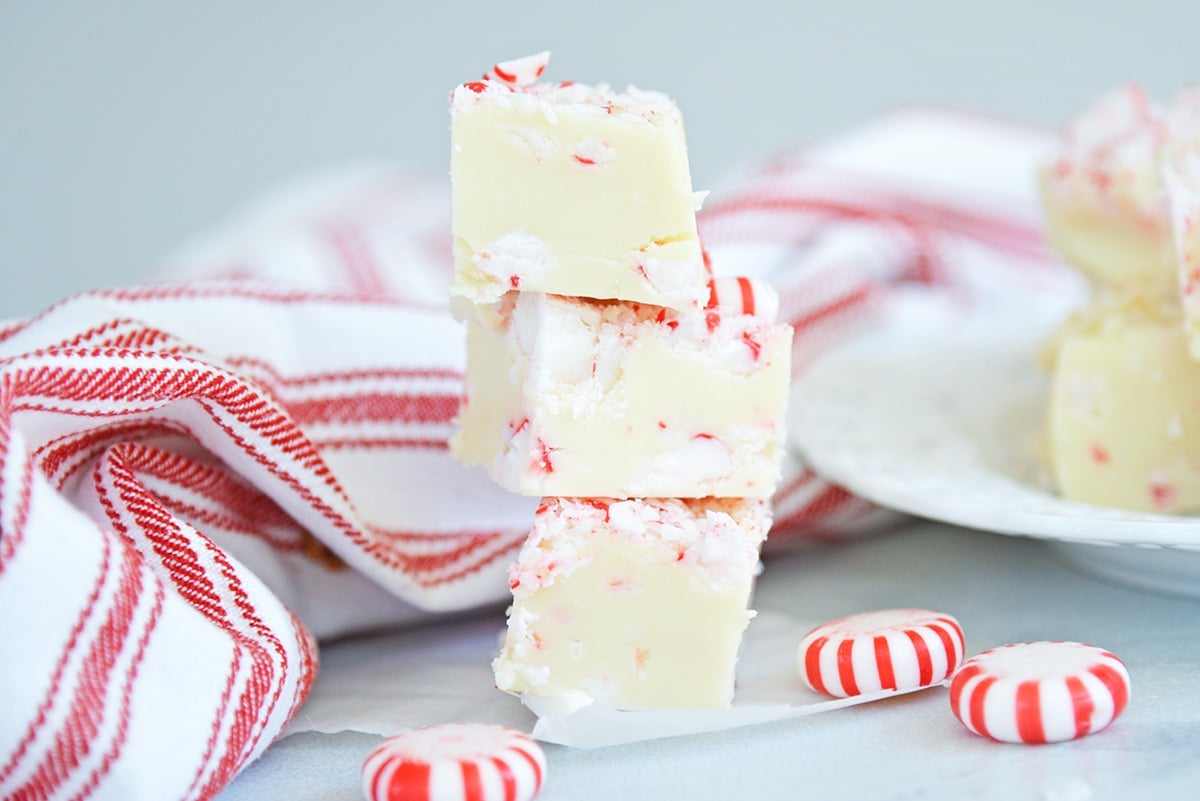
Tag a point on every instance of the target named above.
point(574, 190)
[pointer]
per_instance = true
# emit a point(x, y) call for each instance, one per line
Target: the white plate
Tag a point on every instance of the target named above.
point(936, 413)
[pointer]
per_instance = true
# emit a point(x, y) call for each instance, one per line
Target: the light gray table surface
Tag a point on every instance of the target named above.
point(1002, 589)
point(126, 127)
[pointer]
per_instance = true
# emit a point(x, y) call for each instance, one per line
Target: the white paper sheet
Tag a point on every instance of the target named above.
point(388, 683)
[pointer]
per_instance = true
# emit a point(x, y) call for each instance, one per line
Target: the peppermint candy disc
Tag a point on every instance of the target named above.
point(1040, 692)
point(892, 649)
point(742, 295)
point(455, 762)
point(519, 72)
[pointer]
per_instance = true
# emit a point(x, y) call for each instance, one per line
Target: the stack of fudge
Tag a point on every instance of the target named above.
point(609, 374)
point(1121, 205)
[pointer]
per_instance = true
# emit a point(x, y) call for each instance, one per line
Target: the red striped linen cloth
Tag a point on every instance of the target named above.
point(201, 479)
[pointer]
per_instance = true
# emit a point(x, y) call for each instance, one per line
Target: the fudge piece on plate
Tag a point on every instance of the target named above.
point(1123, 427)
point(637, 603)
point(1102, 195)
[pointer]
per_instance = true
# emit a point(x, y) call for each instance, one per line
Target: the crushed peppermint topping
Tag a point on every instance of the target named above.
point(519, 72)
point(515, 83)
point(581, 342)
point(1110, 153)
point(592, 152)
point(717, 537)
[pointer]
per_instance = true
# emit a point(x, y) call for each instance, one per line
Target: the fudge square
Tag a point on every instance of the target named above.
point(572, 189)
point(1121, 419)
point(1102, 195)
point(574, 397)
point(636, 603)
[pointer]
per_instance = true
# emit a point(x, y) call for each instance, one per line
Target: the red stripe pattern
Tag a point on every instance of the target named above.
point(742, 295)
point(1040, 692)
point(891, 649)
point(199, 479)
point(455, 762)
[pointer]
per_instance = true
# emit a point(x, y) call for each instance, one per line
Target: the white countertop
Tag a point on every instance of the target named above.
point(1002, 589)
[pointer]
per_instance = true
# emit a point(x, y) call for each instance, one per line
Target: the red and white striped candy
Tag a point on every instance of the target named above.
point(892, 649)
point(742, 295)
point(1040, 692)
point(455, 762)
point(520, 71)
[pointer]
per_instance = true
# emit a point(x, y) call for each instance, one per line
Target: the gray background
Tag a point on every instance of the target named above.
point(127, 126)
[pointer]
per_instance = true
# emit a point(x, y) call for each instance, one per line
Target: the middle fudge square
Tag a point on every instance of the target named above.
point(575, 397)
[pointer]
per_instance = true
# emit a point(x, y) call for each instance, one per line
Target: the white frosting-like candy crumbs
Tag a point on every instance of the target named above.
point(592, 152)
point(892, 649)
point(455, 762)
point(1040, 692)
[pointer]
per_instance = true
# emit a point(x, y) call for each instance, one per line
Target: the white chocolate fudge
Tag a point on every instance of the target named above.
point(1102, 195)
point(1123, 426)
point(636, 603)
point(571, 189)
point(572, 397)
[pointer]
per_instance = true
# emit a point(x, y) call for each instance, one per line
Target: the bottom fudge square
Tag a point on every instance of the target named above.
point(640, 604)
